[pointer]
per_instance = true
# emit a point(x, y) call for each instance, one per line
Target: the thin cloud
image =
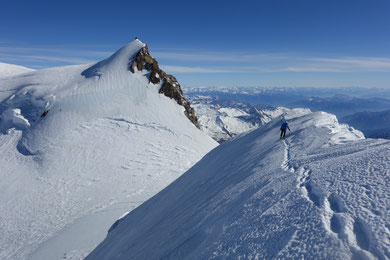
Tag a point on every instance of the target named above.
point(217, 56)
point(46, 58)
point(272, 62)
point(183, 69)
point(368, 63)
point(311, 69)
point(198, 61)
point(231, 70)
point(349, 64)
point(58, 51)
point(71, 60)
point(57, 55)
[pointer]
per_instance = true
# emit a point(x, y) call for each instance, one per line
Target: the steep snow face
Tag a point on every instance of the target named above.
point(320, 194)
point(8, 70)
point(81, 146)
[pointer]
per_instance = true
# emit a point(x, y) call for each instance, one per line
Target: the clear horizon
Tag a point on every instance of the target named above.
point(255, 43)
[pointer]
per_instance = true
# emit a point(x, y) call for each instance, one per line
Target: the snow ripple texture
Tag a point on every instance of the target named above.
point(320, 194)
point(77, 152)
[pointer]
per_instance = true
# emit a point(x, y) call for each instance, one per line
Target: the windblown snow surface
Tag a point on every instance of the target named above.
point(8, 70)
point(323, 193)
point(109, 141)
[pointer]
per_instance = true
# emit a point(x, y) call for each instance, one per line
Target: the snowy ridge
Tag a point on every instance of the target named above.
point(82, 145)
point(9, 70)
point(321, 194)
point(339, 133)
point(286, 161)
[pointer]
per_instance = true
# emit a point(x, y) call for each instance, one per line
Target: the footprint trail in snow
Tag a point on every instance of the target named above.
point(324, 197)
point(352, 231)
point(286, 161)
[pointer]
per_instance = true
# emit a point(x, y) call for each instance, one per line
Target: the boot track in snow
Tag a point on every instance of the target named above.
point(354, 233)
point(286, 162)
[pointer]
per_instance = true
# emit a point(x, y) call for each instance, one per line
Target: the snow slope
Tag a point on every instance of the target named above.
point(8, 70)
point(320, 194)
point(80, 146)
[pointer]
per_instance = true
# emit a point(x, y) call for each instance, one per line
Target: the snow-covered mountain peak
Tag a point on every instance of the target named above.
point(119, 61)
point(135, 57)
point(81, 143)
point(108, 87)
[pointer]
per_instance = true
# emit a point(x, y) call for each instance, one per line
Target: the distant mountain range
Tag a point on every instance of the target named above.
point(224, 119)
point(342, 105)
point(372, 124)
point(363, 106)
point(279, 96)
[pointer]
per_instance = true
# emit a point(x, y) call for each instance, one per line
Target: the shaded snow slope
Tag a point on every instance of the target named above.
point(8, 70)
point(80, 146)
point(320, 194)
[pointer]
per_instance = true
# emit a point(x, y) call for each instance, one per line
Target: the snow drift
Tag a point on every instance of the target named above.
point(320, 194)
point(81, 146)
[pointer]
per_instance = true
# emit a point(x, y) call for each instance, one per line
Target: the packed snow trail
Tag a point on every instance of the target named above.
point(286, 161)
point(352, 232)
point(242, 201)
point(351, 227)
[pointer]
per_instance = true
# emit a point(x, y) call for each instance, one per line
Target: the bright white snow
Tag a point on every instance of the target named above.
point(12, 118)
point(108, 142)
point(8, 70)
point(320, 194)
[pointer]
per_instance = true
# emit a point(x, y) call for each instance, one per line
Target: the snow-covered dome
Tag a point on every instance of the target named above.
point(79, 145)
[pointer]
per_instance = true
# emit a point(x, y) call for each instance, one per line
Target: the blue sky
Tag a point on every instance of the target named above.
point(333, 43)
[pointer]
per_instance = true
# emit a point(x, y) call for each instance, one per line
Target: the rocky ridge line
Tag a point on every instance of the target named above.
point(170, 87)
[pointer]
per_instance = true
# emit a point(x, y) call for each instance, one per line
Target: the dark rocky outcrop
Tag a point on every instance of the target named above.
point(170, 87)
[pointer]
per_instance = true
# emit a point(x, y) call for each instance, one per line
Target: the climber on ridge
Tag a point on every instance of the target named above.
point(283, 130)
